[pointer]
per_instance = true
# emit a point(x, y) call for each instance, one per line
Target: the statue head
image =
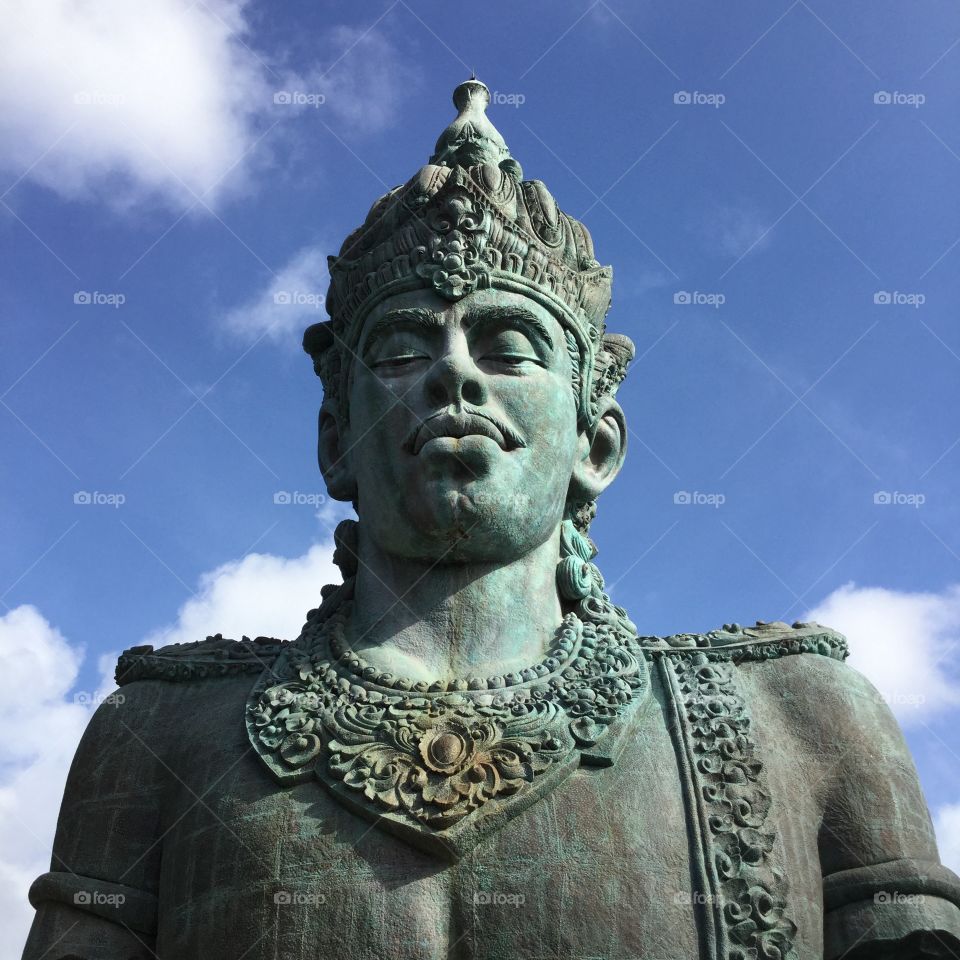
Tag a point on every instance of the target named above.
point(469, 383)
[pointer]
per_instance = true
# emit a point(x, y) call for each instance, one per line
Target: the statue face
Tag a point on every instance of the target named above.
point(462, 435)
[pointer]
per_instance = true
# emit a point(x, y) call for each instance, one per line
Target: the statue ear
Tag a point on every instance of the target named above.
point(333, 465)
point(602, 452)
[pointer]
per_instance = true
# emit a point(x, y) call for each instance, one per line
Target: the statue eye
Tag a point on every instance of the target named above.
point(509, 348)
point(397, 361)
point(510, 359)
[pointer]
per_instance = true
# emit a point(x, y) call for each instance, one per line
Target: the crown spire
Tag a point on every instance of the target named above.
point(469, 221)
point(472, 139)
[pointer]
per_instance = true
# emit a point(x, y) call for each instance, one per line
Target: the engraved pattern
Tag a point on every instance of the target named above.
point(454, 256)
point(729, 788)
point(438, 755)
point(217, 656)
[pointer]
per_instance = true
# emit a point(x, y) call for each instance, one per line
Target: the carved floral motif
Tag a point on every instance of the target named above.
point(454, 255)
point(437, 756)
point(728, 787)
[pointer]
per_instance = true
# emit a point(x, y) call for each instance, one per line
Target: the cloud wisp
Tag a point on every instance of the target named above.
point(260, 594)
point(167, 101)
point(905, 643)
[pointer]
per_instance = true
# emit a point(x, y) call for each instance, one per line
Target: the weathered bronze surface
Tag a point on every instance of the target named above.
point(469, 751)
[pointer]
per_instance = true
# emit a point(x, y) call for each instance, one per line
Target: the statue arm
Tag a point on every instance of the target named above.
point(98, 901)
point(886, 894)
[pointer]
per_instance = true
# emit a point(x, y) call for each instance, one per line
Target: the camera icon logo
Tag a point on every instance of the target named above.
point(882, 97)
point(282, 297)
point(682, 96)
point(282, 96)
point(681, 297)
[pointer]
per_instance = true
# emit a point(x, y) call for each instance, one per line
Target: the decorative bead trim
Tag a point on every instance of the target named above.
point(742, 892)
point(216, 656)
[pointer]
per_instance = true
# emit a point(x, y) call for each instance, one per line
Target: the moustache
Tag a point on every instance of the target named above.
point(464, 421)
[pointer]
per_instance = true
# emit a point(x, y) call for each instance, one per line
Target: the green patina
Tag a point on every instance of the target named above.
point(468, 724)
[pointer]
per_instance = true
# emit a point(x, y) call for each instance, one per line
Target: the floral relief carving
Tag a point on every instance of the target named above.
point(436, 756)
point(728, 779)
point(454, 261)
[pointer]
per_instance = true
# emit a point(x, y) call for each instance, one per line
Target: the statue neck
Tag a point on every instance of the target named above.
point(429, 621)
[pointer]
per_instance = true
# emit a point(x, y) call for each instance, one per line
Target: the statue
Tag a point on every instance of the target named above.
point(470, 751)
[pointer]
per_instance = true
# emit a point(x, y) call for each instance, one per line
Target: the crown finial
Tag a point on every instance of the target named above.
point(471, 139)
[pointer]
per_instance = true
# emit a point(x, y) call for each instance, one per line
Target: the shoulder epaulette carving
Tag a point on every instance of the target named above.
point(763, 641)
point(217, 656)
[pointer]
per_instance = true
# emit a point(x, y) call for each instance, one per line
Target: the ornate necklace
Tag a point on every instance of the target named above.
point(423, 759)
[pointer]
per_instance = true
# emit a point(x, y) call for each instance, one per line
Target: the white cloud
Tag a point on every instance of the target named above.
point(40, 669)
point(947, 824)
point(262, 594)
point(291, 301)
point(129, 102)
point(156, 97)
point(905, 643)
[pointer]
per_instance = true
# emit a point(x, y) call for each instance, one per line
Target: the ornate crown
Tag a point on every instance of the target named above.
point(466, 221)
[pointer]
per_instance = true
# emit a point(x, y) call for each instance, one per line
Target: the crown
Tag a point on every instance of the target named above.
point(468, 221)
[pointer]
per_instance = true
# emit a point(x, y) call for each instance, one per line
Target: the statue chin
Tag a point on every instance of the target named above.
point(453, 521)
point(461, 501)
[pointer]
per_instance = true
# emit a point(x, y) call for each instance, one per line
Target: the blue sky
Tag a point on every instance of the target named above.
point(808, 172)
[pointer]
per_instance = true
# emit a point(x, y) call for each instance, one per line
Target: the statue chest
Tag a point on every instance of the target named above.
point(627, 861)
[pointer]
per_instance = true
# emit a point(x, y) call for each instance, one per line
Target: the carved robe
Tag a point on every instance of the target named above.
point(759, 802)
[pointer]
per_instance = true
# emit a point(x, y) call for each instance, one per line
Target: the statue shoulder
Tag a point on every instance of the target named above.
point(216, 656)
point(763, 641)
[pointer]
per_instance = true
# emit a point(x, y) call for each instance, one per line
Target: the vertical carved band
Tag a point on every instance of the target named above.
point(742, 895)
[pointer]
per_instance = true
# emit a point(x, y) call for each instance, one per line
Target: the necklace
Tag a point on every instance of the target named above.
point(423, 758)
point(564, 640)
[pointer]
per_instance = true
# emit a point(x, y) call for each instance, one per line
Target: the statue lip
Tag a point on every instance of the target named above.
point(459, 423)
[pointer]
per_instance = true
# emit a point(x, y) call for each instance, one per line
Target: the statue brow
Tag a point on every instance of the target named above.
point(408, 317)
point(483, 316)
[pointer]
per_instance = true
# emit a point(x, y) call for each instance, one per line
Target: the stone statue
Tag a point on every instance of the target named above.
point(469, 751)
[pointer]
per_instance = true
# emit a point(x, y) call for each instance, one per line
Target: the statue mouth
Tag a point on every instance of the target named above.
point(463, 422)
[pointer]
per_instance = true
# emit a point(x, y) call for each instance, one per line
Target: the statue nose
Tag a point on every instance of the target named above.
point(453, 380)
